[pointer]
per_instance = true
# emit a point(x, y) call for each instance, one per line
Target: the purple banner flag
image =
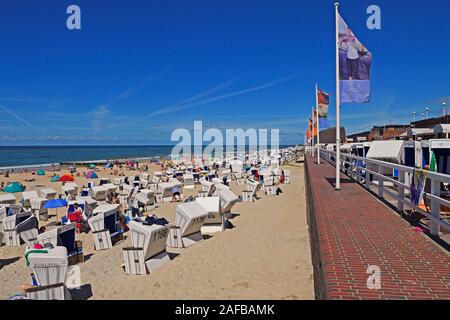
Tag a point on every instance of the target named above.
point(354, 67)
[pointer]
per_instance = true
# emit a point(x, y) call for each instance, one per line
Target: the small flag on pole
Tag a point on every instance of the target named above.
point(323, 103)
point(433, 163)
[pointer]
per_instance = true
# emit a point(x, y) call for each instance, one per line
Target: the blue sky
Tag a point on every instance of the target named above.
point(139, 69)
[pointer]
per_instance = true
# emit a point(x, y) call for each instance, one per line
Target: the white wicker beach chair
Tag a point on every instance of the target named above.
point(227, 200)
point(63, 236)
point(47, 193)
point(287, 176)
point(189, 219)
point(7, 199)
point(11, 237)
point(70, 188)
point(166, 189)
point(37, 205)
point(207, 187)
point(104, 226)
point(50, 270)
point(98, 193)
point(215, 221)
point(110, 187)
point(148, 251)
point(28, 231)
point(88, 205)
point(252, 188)
point(189, 182)
point(27, 196)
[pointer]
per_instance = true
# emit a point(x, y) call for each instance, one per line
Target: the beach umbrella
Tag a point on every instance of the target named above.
point(109, 165)
point(54, 179)
point(67, 177)
point(91, 175)
point(92, 166)
point(40, 173)
point(14, 187)
point(55, 203)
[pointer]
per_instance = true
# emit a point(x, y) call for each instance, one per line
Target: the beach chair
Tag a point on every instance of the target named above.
point(227, 200)
point(2, 215)
point(236, 166)
point(7, 199)
point(3, 210)
point(189, 182)
point(104, 226)
point(143, 183)
point(87, 204)
point(226, 173)
point(239, 178)
point(118, 181)
point(269, 184)
point(274, 164)
point(28, 231)
point(49, 267)
point(98, 193)
point(189, 219)
point(156, 177)
point(127, 190)
point(219, 187)
point(144, 175)
point(64, 236)
point(166, 189)
point(10, 235)
point(27, 196)
point(103, 181)
point(47, 193)
point(110, 187)
point(146, 197)
point(148, 251)
point(37, 205)
point(70, 188)
point(252, 188)
point(215, 221)
point(207, 187)
point(287, 176)
point(196, 176)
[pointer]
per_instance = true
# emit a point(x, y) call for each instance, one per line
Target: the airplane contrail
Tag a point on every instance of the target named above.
point(176, 105)
point(237, 93)
point(193, 101)
point(16, 116)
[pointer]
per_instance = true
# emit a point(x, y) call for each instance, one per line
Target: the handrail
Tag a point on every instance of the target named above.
point(359, 169)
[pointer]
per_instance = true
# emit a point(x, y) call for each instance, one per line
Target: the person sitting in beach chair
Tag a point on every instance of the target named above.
point(176, 193)
point(77, 216)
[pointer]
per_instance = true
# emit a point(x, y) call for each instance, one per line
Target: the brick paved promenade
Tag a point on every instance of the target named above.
point(351, 229)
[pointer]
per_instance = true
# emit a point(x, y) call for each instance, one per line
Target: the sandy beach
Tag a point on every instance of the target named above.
point(265, 256)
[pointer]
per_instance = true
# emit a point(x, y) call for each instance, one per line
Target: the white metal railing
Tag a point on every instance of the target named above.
point(359, 169)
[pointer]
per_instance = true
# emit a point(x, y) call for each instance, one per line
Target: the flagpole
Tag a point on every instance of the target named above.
point(338, 106)
point(312, 133)
point(318, 128)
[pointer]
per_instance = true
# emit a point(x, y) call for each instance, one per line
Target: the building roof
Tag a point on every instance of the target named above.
point(430, 123)
point(420, 132)
point(442, 128)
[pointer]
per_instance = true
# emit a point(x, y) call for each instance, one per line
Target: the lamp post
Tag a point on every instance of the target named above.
point(443, 108)
point(426, 112)
point(414, 116)
point(422, 115)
